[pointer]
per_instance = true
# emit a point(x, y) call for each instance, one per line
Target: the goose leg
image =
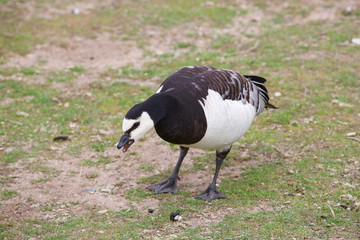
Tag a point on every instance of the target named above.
point(211, 192)
point(170, 184)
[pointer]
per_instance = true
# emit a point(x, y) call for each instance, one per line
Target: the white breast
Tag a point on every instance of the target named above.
point(227, 121)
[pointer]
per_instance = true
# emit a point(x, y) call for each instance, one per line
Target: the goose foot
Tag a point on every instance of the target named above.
point(210, 193)
point(169, 185)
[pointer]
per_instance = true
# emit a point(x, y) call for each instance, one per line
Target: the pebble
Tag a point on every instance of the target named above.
point(308, 120)
point(13, 176)
point(105, 190)
point(150, 210)
point(76, 11)
point(277, 94)
point(348, 10)
point(355, 41)
point(102, 211)
point(22, 114)
point(341, 104)
point(36, 205)
point(9, 150)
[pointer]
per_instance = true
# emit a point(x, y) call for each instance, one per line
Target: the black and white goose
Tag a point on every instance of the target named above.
point(198, 107)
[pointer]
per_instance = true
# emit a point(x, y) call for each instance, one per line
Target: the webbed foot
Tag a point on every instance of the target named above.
point(169, 185)
point(210, 193)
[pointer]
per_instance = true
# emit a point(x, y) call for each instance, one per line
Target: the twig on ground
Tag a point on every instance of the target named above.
point(256, 44)
point(331, 210)
point(16, 122)
point(78, 180)
point(354, 138)
point(253, 47)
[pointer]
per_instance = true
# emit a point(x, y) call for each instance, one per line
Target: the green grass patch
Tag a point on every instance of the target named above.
point(28, 71)
point(12, 156)
point(77, 69)
point(8, 194)
point(147, 167)
point(102, 160)
point(182, 45)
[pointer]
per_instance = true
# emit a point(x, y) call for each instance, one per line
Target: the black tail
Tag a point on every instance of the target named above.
point(269, 105)
point(259, 82)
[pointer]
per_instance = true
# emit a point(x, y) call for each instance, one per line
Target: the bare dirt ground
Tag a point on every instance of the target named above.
point(97, 55)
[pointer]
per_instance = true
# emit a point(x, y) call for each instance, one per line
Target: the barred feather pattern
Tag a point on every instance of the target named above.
point(231, 85)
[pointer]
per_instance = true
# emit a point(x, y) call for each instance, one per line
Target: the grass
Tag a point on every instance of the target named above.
point(8, 194)
point(297, 169)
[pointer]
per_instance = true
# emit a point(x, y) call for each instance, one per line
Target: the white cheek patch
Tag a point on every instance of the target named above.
point(128, 123)
point(146, 123)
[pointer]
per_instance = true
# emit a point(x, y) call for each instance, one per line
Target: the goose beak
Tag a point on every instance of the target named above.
point(125, 142)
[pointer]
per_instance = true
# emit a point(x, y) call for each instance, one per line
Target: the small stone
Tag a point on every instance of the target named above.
point(355, 41)
point(342, 123)
point(348, 10)
point(308, 120)
point(22, 114)
point(35, 205)
point(76, 11)
point(66, 104)
point(349, 185)
point(9, 150)
point(350, 197)
point(103, 132)
point(341, 104)
point(150, 210)
point(89, 190)
point(13, 176)
point(291, 171)
point(105, 190)
point(294, 123)
point(277, 94)
point(102, 211)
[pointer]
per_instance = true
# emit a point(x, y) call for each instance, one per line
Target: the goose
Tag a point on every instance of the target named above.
point(198, 107)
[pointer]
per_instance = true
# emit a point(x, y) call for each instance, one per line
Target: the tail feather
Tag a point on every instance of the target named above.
point(256, 78)
point(259, 82)
point(269, 105)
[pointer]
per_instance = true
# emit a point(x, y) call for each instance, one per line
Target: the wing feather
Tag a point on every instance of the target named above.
point(229, 84)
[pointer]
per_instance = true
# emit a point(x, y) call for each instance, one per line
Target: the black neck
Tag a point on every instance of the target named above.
point(159, 106)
